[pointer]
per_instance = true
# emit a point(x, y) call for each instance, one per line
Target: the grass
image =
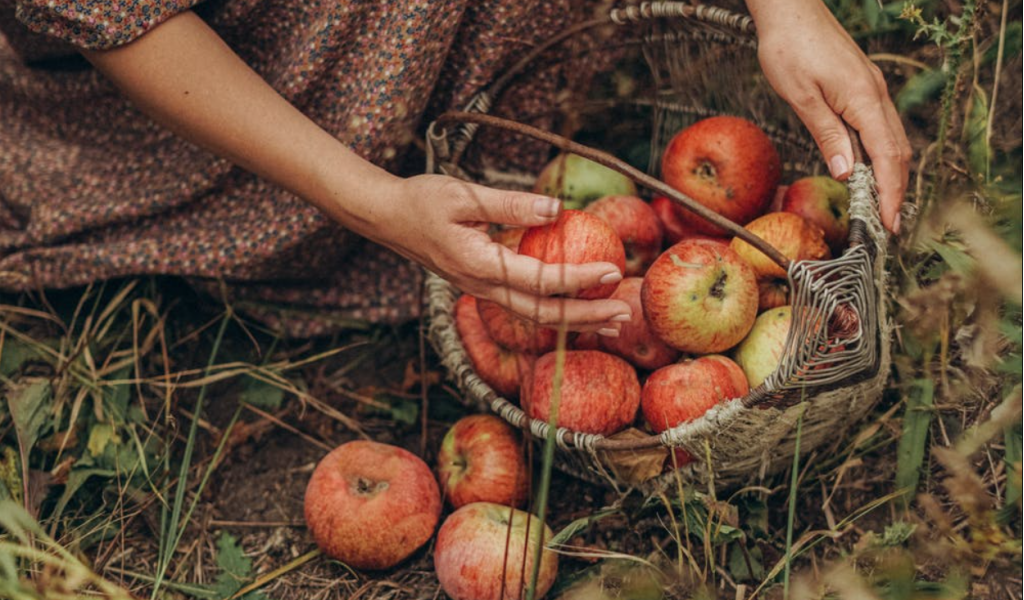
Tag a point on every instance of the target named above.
point(153, 443)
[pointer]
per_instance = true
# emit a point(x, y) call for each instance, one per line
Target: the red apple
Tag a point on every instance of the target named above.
point(486, 551)
point(636, 224)
point(824, 202)
point(700, 297)
point(636, 342)
point(726, 163)
point(579, 181)
point(508, 237)
point(499, 367)
point(684, 391)
point(371, 505)
point(676, 230)
point(760, 353)
point(600, 393)
point(733, 370)
point(772, 293)
point(481, 460)
point(576, 237)
point(511, 331)
point(790, 234)
point(585, 340)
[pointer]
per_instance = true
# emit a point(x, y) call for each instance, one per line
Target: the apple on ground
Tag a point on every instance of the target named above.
point(790, 234)
point(700, 297)
point(824, 202)
point(511, 331)
point(481, 460)
point(600, 393)
point(577, 238)
point(636, 224)
point(371, 505)
point(499, 367)
point(761, 352)
point(636, 342)
point(726, 163)
point(676, 230)
point(578, 181)
point(487, 551)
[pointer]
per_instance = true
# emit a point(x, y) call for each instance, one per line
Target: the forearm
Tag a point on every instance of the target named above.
point(186, 78)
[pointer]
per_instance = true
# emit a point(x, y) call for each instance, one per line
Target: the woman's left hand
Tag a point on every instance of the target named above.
point(814, 64)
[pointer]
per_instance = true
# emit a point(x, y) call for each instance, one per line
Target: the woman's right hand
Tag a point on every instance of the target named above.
point(441, 223)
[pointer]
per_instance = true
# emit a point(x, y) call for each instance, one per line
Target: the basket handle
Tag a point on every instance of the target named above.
point(607, 160)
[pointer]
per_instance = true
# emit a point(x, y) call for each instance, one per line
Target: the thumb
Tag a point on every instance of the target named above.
point(830, 134)
point(513, 208)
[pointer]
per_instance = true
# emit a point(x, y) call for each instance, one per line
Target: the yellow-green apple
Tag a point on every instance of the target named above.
point(577, 237)
point(676, 230)
point(700, 297)
point(487, 551)
point(636, 342)
point(511, 331)
point(577, 181)
point(600, 393)
point(760, 353)
point(481, 460)
point(726, 163)
point(826, 203)
point(790, 234)
point(371, 505)
point(637, 226)
point(499, 367)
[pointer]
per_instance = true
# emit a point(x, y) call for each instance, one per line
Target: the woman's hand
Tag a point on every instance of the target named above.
point(820, 71)
point(441, 223)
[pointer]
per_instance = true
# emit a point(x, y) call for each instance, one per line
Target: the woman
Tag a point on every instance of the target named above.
point(252, 141)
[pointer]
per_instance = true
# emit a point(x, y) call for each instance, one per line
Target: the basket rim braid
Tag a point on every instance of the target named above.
point(837, 345)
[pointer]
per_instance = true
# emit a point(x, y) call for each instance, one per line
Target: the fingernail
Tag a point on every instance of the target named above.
point(608, 332)
point(839, 166)
point(613, 277)
point(546, 207)
point(622, 318)
point(896, 224)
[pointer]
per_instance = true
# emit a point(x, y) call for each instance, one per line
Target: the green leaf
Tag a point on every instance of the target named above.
point(574, 528)
point(76, 478)
point(917, 419)
point(978, 151)
point(1013, 442)
point(738, 563)
point(920, 89)
point(13, 354)
point(235, 570)
point(117, 397)
point(10, 475)
point(100, 435)
point(1013, 44)
point(261, 394)
point(897, 534)
point(402, 410)
point(28, 407)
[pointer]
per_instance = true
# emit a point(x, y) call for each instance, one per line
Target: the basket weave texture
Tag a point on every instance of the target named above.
point(837, 355)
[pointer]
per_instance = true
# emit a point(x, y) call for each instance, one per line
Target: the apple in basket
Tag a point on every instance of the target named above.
point(486, 551)
point(761, 352)
point(511, 331)
point(684, 391)
point(824, 202)
point(676, 230)
point(499, 367)
point(577, 237)
point(371, 505)
point(636, 224)
point(578, 181)
point(481, 460)
point(700, 297)
point(636, 342)
point(726, 163)
point(600, 393)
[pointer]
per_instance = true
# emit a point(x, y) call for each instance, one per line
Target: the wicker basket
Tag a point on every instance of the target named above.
point(837, 354)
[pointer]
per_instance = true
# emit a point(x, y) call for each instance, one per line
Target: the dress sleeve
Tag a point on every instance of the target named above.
point(97, 24)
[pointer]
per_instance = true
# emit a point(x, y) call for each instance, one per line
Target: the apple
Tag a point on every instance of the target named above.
point(600, 393)
point(733, 370)
point(636, 342)
point(760, 353)
point(772, 293)
point(684, 391)
point(481, 460)
point(700, 297)
point(824, 202)
point(499, 367)
point(486, 551)
point(371, 505)
point(790, 234)
point(585, 340)
point(578, 181)
point(636, 224)
point(676, 230)
point(726, 163)
point(576, 237)
point(511, 331)
point(508, 236)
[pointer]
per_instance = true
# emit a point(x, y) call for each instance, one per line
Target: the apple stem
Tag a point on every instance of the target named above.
point(607, 160)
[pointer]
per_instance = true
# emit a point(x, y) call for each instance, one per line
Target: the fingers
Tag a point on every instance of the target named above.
point(489, 205)
point(890, 205)
point(537, 278)
point(829, 133)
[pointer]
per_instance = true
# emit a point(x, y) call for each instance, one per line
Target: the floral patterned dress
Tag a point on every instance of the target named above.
point(92, 189)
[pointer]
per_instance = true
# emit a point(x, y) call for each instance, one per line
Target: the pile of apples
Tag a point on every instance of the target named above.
point(710, 314)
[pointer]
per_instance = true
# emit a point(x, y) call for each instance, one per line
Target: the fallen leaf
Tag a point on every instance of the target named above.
point(635, 466)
